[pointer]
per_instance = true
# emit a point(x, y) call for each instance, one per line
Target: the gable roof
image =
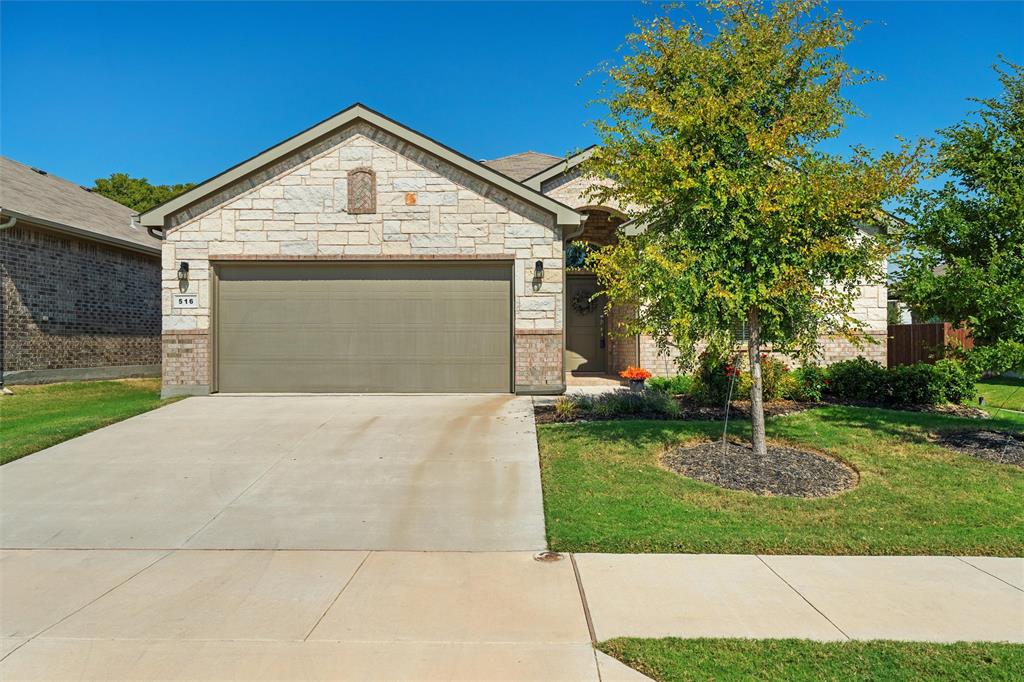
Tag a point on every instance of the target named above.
point(537, 179)
point(522, 165)
point(53, 202)
point(157, 216)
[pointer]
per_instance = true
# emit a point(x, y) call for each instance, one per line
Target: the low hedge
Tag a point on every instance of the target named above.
point(858, 380)
point(921, 384)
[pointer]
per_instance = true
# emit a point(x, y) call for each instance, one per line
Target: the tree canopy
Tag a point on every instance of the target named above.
point(712, 137)
point(137, 193)
point(962, 256)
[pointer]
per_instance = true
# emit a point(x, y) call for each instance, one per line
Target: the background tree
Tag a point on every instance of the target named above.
point(137, 193)
point(963, 249)
point(710, 135)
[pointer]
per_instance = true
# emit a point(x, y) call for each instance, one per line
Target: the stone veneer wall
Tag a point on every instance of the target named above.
point(871, 307)
point(426, 209)
point(71, 303)
point(571, 188)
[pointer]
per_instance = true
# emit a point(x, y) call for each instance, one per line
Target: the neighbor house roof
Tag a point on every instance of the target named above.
point(156, 217)
point(61, 205)
point(522, 165)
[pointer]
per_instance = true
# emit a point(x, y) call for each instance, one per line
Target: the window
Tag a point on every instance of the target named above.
point(740, 332)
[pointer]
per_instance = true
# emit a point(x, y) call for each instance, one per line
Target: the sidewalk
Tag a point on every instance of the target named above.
point(214, 614)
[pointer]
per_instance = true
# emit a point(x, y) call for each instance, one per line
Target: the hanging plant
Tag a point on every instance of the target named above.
point(577, 253)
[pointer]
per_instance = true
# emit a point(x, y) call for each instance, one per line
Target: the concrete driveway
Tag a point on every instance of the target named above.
point(288, 472)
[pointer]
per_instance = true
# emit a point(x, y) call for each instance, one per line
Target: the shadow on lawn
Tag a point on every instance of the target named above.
point(904, 426)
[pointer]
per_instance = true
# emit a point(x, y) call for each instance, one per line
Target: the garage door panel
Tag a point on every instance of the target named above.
point(443, 327)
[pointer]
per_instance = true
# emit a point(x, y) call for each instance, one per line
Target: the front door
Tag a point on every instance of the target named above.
point(584, 325)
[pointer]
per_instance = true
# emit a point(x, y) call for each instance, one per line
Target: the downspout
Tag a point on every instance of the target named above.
point(3, 318)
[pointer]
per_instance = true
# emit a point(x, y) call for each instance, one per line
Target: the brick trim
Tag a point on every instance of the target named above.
point(217, 258)
point(186, 332)
point(538, 332)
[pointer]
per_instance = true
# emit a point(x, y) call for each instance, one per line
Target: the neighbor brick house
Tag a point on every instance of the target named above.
point(361, 255)
point(81, 282)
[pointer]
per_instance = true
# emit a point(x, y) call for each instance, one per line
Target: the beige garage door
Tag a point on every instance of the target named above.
point(364, 327)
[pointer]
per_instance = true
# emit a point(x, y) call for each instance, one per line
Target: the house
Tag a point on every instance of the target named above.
point(81, 282)
point(361, 255)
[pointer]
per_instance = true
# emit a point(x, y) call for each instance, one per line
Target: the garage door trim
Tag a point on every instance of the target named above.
point(217, 264)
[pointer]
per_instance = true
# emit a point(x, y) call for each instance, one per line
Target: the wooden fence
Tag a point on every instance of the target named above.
point(912, 343)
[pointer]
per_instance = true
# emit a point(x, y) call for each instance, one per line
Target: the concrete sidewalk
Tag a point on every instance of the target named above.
point(263, 614)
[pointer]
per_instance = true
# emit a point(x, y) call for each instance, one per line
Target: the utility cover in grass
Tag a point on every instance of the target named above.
point(784, 471)
point(1001, 447)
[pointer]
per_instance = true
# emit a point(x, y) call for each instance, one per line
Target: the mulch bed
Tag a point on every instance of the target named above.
point(688, 411)
point(785, 471)
point(965, 411)
point(1002, 447)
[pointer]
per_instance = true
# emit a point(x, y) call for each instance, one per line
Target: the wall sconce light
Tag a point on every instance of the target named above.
point(183, 276)
point(538, 275)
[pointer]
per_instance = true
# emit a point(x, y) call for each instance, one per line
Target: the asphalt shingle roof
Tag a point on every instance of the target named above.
point(55, 200)
point(523, 165)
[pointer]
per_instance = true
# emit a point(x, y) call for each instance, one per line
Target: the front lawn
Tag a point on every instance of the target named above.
point(1002, 392)
point(605, 491)
point(36, 417)
point(675, 660)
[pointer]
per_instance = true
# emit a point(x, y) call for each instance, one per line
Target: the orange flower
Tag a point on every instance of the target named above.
point(635, 374)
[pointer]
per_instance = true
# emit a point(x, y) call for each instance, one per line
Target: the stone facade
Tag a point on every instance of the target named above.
point(572, 189)
point(73, 304)
point(870, 307)
point(425, 209)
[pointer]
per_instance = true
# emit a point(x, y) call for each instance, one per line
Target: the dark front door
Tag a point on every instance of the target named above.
point(584, 325)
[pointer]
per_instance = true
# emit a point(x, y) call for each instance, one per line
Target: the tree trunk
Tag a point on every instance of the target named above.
point(756, 393)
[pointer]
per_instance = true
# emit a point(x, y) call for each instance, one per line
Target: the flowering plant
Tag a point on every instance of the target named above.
point(635, 374)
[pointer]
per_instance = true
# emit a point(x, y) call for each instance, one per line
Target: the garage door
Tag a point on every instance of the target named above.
point(366, 327)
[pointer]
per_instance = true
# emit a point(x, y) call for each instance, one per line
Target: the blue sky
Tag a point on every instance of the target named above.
point(179, 91)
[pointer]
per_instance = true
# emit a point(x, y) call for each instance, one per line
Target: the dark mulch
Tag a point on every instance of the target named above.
point(784, 471)
point(965, 411)
point(1002, 447)
point(689, 410)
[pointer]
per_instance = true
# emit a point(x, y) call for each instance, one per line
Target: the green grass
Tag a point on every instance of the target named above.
point(605, 491)
point(1002, 392)
point(675, 660)
point(36, 417)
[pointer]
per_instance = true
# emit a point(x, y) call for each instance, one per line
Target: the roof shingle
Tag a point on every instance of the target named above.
point(61, 202)
point(522, 165)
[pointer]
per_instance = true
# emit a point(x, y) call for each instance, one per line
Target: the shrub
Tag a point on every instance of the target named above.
point(617, 404)
point(959, 381)
point(565, 408)
point(676, 385)
point(858, 379)
point(772, 373)
point(920, 384)
point(809, 384)
point(715, 379)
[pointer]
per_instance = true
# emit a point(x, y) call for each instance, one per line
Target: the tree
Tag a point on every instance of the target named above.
point(711, 137)
point(962, 256)
point(137, 193)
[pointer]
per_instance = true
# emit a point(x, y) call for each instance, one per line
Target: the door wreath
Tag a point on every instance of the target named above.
point(583, 302)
